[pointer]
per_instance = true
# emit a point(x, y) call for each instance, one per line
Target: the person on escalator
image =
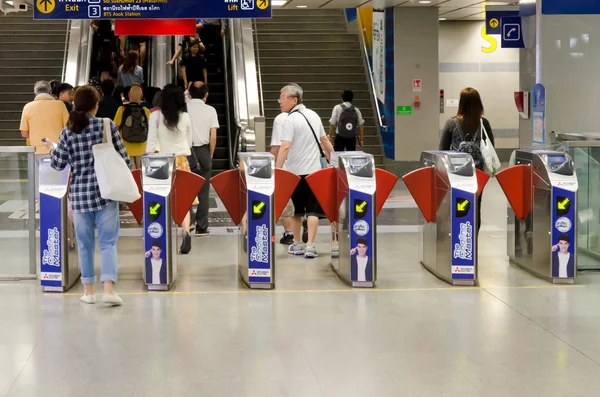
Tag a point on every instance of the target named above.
point(183, 50)
point(193, 66)
point(171, 131)
point(130, 72)
point(106, 65)
point(463, 132)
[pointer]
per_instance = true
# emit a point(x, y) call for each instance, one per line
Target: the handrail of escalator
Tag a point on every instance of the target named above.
point(363, 40)
point(66, 49)
point(260, 87)
point(231, 143)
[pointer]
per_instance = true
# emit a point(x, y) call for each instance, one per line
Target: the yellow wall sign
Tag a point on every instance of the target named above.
point(493, 42)
point(45, 6)
point(262, 4)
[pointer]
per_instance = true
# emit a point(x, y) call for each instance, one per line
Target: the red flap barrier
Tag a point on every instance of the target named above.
point(323, 183)
point(515, 181)
point(385, 183)
point(155, 27)
point(137, 207)
point(421, 186)
point(227, 186)
point(285, 184)
point(186, 189)
point(482, 180)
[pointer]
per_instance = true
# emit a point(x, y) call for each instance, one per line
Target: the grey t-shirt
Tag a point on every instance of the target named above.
point(304, 156)
point(128, 79)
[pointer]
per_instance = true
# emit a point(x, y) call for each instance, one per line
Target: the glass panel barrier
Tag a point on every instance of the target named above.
point(17, 202)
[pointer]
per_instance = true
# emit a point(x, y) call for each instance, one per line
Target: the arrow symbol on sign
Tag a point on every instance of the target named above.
point(154, 210)
point(361, 207)
point(462, 206)
point(562, 205)
point(258, 207)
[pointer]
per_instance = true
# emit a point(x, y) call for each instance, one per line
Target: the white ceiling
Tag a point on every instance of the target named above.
point(449, 9)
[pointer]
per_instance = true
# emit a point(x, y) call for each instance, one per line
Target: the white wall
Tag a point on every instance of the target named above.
point(416, 57)
point(495, 75)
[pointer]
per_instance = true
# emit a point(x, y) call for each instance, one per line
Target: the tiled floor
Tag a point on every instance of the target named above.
point(414, 335)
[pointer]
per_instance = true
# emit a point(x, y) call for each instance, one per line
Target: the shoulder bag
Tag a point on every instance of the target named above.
point(490, 158)
point(112, 173)
point(323, 158)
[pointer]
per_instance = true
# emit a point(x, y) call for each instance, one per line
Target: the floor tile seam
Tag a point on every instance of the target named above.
point(312, 370)
point(542, 327)
point(14, 382)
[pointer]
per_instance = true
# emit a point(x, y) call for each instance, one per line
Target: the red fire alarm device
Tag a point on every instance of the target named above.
point(522, 102)
point(417, 102)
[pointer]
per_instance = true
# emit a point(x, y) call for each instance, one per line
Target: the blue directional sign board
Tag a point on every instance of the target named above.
point(493, 18)
point(571, 7)
point(512, 33)
point(151, 9)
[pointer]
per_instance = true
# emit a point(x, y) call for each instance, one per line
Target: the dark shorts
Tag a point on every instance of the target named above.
point(138, 39)
point(305, 202)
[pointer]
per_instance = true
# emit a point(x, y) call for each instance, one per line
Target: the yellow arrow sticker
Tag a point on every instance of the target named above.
point(462, 206)
point(45, 6)
point(154, 210)
point(361, 207)
point(562, 205)
point(257, 208)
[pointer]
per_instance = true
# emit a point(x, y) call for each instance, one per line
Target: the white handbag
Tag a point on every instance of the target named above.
point(490, 158)
point(114, 176)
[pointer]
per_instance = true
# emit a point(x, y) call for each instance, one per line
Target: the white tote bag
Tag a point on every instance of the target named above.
point(490, 158)
point(114, 176)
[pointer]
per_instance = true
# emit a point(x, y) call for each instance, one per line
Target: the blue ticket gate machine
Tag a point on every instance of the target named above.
point(160, 232)
point(541, 187)
point(59, 261)
point(352, 193)
point(446, 191)
point(255, 195)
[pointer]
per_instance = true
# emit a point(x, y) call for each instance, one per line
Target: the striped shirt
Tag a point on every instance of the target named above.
point(76, 150)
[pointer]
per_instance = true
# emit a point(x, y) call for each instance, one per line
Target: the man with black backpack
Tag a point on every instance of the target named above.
point(345, 121)
point(132, 120)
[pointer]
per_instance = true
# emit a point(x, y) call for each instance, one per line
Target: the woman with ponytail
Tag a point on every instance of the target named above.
point(74, 148)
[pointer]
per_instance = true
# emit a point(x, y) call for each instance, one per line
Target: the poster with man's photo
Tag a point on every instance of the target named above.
point(361, 237)
point(564, 239)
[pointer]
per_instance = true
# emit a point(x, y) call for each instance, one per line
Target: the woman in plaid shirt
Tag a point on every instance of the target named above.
point(74, 148)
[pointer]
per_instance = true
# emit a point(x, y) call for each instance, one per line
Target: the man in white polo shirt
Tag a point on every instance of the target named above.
point(302, 142)
point(205, 123)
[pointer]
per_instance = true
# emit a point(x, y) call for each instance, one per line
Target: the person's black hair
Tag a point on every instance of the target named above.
point(362, 240)
point(150, 93)
point(108, 87)
point(198, 92)
point(347, 96)
point(62, 87)
point(105, 52)
point(117, 94)
point(565, 238)
point(86, 99)
point(156, 243)
point(173, 102)
point(156, 101)
point(53, 85)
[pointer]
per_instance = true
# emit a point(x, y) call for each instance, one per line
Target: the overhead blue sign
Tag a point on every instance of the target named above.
point(493, 19)
point(151, 9)
point(512, 33)
point(571, 7)
point(538, 107)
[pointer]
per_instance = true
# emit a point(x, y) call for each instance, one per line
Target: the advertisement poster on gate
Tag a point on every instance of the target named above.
point(563, 233)
point(259, 238)
point(155, 239)
point(464, 230)
point(379, 53)
point(51, 250)
point(361, 237)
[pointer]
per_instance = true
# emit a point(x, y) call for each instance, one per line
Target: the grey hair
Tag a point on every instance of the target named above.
point(42, 87)
point(295, 91)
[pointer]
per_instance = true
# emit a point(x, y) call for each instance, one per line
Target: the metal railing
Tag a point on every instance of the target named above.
point(372, 90)
point(79, 53)
point(30, 232)
point(259, 71)
point(64, 66)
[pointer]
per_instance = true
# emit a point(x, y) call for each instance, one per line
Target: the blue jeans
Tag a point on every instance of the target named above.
point(107, 222)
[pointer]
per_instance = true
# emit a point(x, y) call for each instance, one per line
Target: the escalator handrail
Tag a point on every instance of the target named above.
point(370, 71)
point(260, 87)
point(65, 53)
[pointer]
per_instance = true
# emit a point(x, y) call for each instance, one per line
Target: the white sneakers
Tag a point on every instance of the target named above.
point(110, 299)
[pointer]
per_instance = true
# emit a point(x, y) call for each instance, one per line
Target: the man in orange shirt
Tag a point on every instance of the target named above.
point(45, 117)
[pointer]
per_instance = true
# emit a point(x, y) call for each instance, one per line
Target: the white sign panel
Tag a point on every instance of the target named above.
point(379, 53)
